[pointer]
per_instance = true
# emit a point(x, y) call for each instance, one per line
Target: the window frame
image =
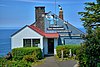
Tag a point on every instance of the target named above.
point(32, 42)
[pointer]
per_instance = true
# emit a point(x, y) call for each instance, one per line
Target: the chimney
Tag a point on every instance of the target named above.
point(39, 11)
point(39, 18)
point(60, 12)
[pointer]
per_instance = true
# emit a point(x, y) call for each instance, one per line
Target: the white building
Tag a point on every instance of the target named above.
point(30, 36)
point(48, 31)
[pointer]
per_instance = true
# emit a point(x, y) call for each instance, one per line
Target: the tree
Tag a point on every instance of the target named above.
point(89, 55)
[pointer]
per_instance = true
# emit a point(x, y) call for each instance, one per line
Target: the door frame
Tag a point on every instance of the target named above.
point(50, 46)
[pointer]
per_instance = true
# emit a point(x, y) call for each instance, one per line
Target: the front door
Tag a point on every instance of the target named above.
point(50, 46)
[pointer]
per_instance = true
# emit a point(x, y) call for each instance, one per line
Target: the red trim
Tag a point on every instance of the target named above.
point(37, 30)
point(47, 35)
point(51, 35)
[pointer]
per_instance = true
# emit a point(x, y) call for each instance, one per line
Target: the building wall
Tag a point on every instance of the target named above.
point(45, 44)
point(73, 41)
point(26, 33)
point(55, 44)
point(72, 37)
point(67, 40)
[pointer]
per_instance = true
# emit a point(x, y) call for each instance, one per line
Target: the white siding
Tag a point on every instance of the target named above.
point(55, 45)
point(45, 46)
point(26, 33)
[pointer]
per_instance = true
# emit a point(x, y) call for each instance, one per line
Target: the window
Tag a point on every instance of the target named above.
point(31, 42)
point(27, 42)
point(35, 42)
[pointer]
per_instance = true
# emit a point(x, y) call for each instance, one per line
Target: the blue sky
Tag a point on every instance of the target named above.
point(18, 13)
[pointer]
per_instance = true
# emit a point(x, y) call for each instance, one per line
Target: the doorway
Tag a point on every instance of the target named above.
point(50, 46)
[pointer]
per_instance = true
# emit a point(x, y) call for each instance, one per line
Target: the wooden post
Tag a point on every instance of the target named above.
point(70, 53)
point(62, 55)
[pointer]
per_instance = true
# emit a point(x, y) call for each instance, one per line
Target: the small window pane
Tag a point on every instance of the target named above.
point(36, 42)
point(27, 42)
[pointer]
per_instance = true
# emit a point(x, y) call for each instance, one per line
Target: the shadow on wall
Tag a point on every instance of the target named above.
point(59, 41)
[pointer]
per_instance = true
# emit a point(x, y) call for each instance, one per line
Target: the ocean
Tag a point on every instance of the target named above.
point(5, 40)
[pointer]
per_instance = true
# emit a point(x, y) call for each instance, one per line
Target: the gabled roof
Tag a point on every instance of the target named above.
point(66, 26)
point(47, 35)
point(37, 30)
point(19, 30)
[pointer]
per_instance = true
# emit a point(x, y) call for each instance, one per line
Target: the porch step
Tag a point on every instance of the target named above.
point(48, 55)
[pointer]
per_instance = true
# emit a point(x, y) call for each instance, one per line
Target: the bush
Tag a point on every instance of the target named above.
point(2, 62)
point(9, 63)
point(74, 48)
point(20, 63)
point(65, 51)
point(19, 53)
point(28, 58)
point(98, 64)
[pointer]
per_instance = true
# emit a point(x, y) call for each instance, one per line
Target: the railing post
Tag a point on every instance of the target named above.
point(70, 53)
point(62, 55)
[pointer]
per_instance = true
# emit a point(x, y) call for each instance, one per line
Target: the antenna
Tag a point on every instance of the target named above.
point(55, 13)
point(55, 6)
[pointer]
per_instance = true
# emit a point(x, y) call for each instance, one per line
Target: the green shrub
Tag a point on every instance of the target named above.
point(28, 58)
point(2, 62)
point(98, 64)
point(74, 48)
point(9, 63)
point(19, 53)
point(20, 63)
point(65, 51)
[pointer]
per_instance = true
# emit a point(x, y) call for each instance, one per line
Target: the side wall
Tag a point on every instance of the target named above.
point(26, 33)
point(68, 40)
point(73, 41)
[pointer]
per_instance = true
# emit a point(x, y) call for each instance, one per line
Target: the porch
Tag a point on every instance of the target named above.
point(49, 45)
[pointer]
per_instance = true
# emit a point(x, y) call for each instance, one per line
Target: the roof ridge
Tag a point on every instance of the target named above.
point(51, 35)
